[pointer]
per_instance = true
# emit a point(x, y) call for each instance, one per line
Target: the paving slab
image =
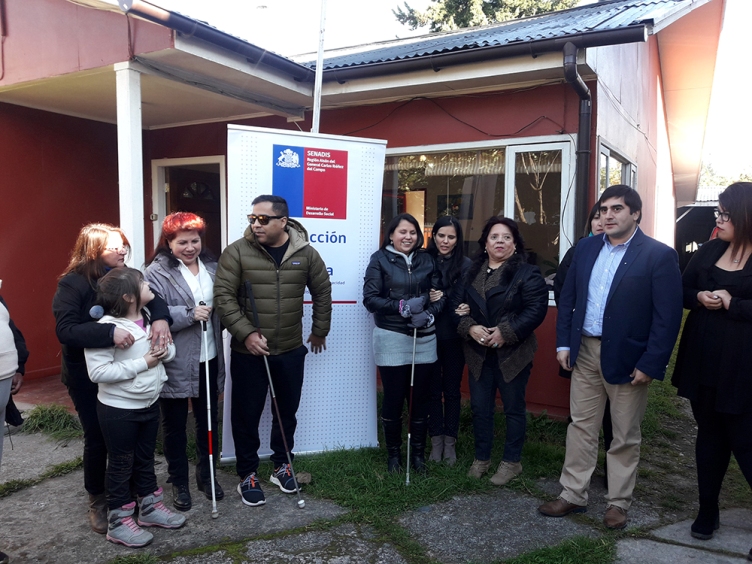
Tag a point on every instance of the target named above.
point(735, 534)
point(643, 551)
point(27, 456)
point(47, 522)
point(639, 515)
point(488, 527)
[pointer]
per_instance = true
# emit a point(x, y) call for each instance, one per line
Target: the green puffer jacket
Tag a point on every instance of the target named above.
point(278, 292)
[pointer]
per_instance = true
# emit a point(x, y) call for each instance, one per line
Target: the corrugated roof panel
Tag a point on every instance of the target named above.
point(602, 16)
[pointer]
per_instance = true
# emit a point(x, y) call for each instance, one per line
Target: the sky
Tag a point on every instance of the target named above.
point(290, 27)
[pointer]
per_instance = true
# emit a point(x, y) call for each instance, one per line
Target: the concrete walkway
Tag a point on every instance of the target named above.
point(46, 523)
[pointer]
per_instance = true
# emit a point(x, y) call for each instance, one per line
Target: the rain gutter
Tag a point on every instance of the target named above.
point(192, 28)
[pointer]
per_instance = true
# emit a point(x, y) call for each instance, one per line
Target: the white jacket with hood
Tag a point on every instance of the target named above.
point(125, 381)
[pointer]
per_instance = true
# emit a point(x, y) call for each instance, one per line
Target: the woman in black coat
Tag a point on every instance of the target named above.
point(396, 287)
point(99, 248)
point(446, 246)
point(714, 363)
point(508, 300)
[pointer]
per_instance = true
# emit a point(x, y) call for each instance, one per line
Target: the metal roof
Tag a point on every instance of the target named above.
point(598, 17)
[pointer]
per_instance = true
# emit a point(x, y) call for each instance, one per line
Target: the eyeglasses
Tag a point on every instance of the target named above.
point(118, 250)
point(263, 219)
point(722, 215)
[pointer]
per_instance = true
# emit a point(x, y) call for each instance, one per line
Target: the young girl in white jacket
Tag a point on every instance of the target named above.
point(130, 379)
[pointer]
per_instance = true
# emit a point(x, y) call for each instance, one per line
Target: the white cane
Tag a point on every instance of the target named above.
point(410, 408)
point(204, 340)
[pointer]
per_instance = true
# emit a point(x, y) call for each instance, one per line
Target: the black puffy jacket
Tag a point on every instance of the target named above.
point(389, 280)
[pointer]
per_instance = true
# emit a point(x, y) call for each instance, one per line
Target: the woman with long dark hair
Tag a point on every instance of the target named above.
point(508, 299)
point(396, 290)
point(446, 246)
point(99, 248)
point(713, 363)
point(183, 271)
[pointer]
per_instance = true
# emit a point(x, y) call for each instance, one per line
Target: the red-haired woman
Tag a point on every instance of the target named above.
point(99, 248)
point(713, 363)
point(183, 272)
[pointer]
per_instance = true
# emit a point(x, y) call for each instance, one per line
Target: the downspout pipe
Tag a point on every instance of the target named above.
point(192, 28)
point(582, 184)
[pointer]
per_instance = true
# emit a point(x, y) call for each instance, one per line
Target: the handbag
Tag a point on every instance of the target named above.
point(12, 415)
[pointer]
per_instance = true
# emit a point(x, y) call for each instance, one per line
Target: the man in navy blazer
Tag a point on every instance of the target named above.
point(619, 315)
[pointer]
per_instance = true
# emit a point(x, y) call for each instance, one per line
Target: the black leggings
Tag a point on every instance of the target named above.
point(719, 435)
point(444, 404)
point(95, 450)
point(396, 383)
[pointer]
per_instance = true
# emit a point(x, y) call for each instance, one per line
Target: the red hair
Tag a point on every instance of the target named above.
point(181, 221)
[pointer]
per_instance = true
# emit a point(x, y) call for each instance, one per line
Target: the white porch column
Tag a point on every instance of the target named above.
point(130, 160)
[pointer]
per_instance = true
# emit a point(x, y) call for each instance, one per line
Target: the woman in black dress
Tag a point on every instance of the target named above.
point(713, 366)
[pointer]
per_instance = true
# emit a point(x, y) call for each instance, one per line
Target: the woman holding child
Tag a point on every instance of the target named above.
point(99, 248)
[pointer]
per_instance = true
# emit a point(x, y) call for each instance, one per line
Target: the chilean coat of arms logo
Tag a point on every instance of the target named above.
point(288, 159)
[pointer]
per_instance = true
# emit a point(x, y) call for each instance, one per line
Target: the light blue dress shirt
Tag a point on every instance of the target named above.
point(601, 278)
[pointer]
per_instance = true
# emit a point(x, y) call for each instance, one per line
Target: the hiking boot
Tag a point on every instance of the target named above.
point(154, 513)
point(505, 472)
point(283, 478)
point(122, 529)
point(437, 448)
point(181, 497)
point(97, 514)
point(250, 491)
point(478, 468)
point(450, 455)
point(205, 487)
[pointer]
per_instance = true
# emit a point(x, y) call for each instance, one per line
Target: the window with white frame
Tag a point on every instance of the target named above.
point(473, 185)
point(613, 168)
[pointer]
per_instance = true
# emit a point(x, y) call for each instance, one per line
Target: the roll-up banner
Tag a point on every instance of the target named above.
point(332, 185)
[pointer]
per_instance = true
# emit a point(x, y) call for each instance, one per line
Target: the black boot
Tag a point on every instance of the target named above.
point(418, 429)
point(393, 439)
point(707, 521)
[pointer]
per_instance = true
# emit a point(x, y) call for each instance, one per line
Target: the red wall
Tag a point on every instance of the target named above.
point(53, 37)
point(58, 173)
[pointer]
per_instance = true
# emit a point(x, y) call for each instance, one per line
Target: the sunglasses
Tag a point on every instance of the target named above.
point(262, 219)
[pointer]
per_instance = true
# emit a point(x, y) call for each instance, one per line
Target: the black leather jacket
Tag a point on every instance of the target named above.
point(446, 324)
point(389, 280)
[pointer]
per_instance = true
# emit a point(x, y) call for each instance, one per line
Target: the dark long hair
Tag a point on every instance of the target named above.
point(737, 201)
point(172, 224)
point(591, 216)
point(393, 225)
point(454, 270)
point(116, 284)
point(481, 256)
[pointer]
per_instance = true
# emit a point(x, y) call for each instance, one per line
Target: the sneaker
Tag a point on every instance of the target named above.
point(250, 490)
point(283, 478)
point(506, 472)
point(478, 468)
point(122, 529)
point(181, 497)
point(154, 513)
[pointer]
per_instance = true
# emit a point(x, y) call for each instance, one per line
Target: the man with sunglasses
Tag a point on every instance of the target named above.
point(272, 264)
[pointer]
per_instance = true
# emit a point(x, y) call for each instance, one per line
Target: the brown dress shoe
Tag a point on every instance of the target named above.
point(560, 507)
point(615, 517)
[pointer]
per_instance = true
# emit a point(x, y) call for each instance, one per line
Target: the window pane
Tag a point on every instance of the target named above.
point(614, 171)
point(466, 184)
point(537, 205)
point(603, 173)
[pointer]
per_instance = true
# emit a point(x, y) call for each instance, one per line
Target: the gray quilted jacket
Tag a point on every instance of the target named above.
point(183, 372)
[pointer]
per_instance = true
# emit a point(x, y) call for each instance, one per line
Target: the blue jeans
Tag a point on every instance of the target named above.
point(483, 404)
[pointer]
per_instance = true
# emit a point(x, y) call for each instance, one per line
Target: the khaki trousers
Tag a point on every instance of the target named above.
point(587, 401)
